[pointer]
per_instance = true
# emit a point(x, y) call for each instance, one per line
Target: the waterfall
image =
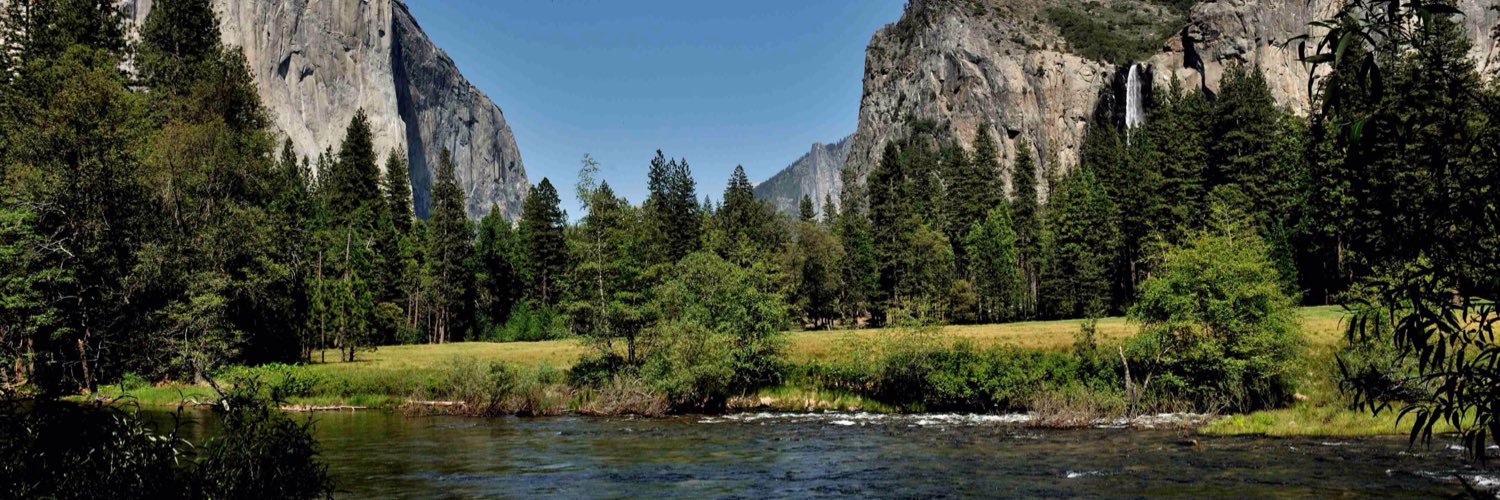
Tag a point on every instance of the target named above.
point(1135, 106)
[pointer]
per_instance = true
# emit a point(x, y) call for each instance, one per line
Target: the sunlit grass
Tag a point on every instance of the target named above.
point(1323, 411)
point(798, 398)
point(393, 375)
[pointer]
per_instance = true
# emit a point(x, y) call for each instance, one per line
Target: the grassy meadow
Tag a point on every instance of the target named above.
point(394, 375)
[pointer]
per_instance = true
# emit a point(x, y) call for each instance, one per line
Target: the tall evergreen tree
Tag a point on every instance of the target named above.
point(992, 248)
point(177, 36)
point(294, 213)
point(542, 224)
point(1179, 135)
point(1258, 150)
point(352, 185)
point(672, 208)
point(1081, 244)
point(609, 296)
point(892, 220)
point(396, 188)
point(858, 272)
point(498, 277)
point(1123, 170)
point(1027, 222)
point(450, 244)
point(805, 210)
point(746, 224)
point(973, 185)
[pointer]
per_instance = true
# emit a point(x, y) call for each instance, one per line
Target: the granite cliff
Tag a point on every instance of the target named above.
point(960, 63)
point(316, 62)
point(1256, 32)
point(815, 174)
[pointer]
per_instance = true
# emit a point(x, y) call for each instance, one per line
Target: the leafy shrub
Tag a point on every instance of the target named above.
point(132, 381)
point(60, 450)
point(1075, 405)
point(725, 319)
point(1217, 328)
point(496, 388)
point(1372, 364)
point(915, 368)
point(623, 394)
point(286, 381)
point(692, 365)
point(262, 453)
point(594, 371)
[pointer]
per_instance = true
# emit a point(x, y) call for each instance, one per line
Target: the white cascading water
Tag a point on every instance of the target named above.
point(1135, 107)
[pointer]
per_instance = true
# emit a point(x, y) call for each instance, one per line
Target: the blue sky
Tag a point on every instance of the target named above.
point(720, 83)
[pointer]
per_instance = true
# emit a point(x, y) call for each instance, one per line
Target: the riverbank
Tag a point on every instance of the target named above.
point(423, 379)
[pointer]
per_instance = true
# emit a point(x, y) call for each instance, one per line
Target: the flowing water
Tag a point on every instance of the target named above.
point(1135, 102)
point(378, 454)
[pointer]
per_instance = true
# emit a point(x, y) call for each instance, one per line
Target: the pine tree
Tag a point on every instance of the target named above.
point(396, 187)
point(973, 185)
point(1123, 170)
point(892, 221)
point(805, 210)
point(1179, 134)
point(450, 244)
point(746, 223)
point(1258, 150)
point(992, 246)
point(542, 223)
point(1080, 243)
point(858, 272)
point(830, 211)
point(294, 213)
point(608, 300)
point(1027, 221)
point(177, 36)
point(498, 279)
point(672, 208)
point(352, 185)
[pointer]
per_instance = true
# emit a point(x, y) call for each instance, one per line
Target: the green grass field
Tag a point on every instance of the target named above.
point(395, 374)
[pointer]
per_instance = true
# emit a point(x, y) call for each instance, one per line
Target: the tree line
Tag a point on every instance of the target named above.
point(151, 224)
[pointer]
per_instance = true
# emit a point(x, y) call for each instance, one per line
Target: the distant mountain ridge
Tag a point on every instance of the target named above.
point(815, 174)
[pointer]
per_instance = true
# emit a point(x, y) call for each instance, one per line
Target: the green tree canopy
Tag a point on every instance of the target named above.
point(542, 224)
point(1217, 328)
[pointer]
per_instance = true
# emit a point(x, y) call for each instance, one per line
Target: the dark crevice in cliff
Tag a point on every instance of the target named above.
point(416, 151)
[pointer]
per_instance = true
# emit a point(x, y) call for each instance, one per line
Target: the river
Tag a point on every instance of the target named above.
point(380, 454)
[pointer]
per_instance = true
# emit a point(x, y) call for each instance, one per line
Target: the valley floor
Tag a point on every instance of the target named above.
point(382, 377)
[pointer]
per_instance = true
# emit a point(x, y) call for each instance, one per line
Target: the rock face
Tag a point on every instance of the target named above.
point(961, 63)
point(443, 110)
point(815, 174)
point(961, 66)
point(316, 62)
point(1255, 32)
